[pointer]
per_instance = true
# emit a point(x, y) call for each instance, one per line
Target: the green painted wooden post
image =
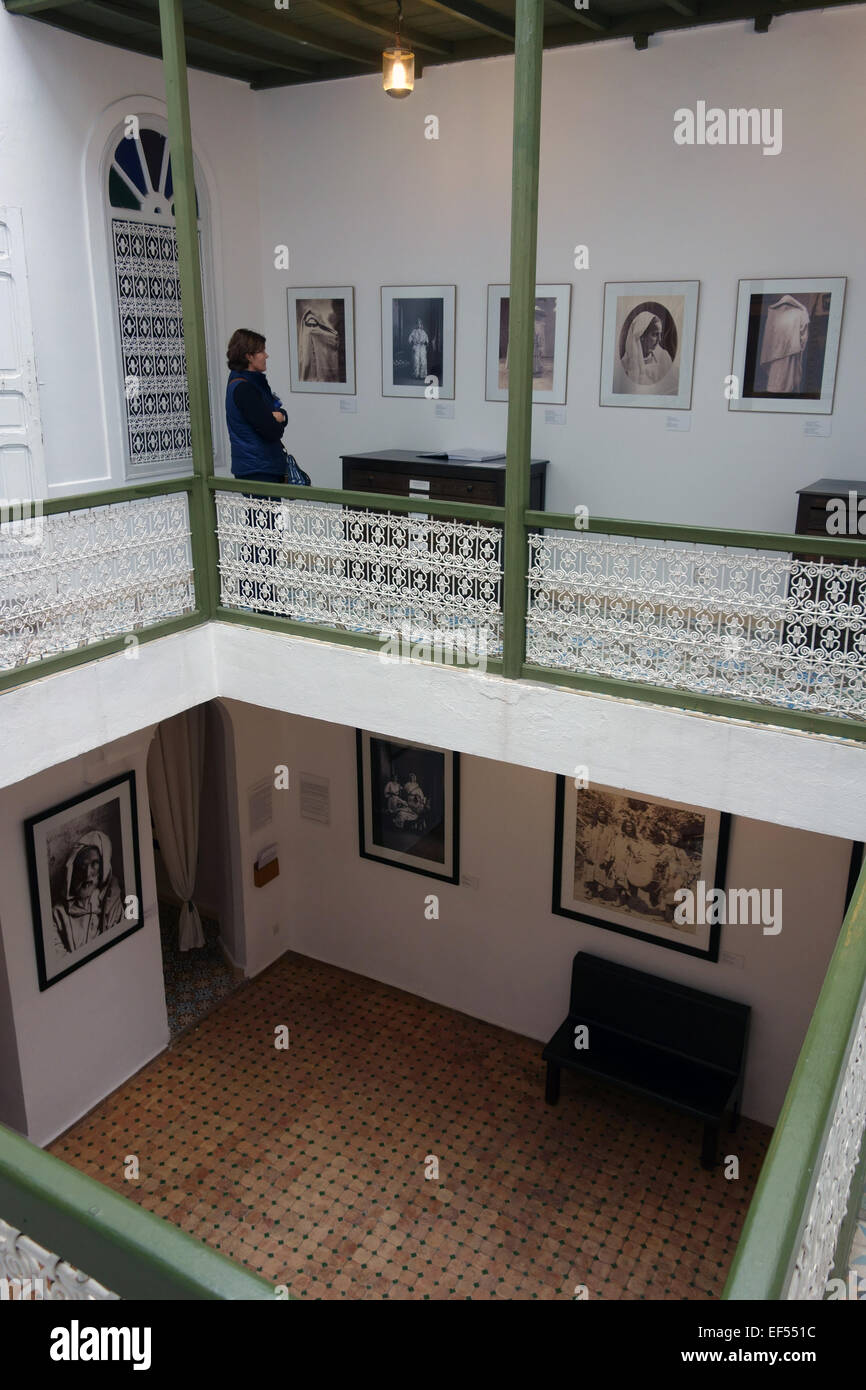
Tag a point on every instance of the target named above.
point(189, 265)
point(529, 26)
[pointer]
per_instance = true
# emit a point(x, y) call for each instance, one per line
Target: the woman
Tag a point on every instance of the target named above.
point(645, 361)
point(93, 903)
point(255, 417)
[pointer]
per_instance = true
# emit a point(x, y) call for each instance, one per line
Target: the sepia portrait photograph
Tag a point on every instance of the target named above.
point(549, 343)
point(786, 345)
point(408, 805)
point(649, 344)
point(418, 341)
point(322, 340)
point(85, 880)
point(621, 859)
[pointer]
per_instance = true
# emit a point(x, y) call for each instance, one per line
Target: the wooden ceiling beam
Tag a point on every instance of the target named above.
point(143, 46)
point(376, 24)
point(479, 15)
point(268, 57)
point(34, 6)
point(275, 23)
point(682, 7)
point(592, 17)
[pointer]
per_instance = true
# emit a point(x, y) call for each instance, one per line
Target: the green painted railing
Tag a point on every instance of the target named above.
point(133, 1253)
point(773, 1235)
point(205, 552)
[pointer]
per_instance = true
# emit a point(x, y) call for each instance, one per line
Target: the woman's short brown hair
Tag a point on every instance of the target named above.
point(243, 343)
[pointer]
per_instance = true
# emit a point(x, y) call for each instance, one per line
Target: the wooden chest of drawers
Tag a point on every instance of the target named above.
point(395, 470)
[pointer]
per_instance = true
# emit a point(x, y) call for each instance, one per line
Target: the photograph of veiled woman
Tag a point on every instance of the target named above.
point(86, 873)
point(648, 347)
point(321, 325)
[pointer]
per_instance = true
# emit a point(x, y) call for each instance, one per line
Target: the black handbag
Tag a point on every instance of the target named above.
point(296, 475)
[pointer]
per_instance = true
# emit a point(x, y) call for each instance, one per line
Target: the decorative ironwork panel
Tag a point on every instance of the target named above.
point(28, 1271)
point(151, 337)
point(80, 577)
point(390, 575)
point(816, 1255)
point(765, 627)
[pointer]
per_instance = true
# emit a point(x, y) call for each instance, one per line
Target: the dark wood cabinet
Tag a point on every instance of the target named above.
point(812, 513)
point(396, 470)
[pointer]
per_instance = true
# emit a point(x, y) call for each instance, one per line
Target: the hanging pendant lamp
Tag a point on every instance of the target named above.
point(398, 64)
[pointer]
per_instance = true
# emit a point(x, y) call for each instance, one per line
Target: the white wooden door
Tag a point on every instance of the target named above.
point(22, 462)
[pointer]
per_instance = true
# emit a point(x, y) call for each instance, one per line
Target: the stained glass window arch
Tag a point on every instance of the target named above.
point(140, 196)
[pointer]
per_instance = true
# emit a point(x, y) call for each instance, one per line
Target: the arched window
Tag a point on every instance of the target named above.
point(147, 294)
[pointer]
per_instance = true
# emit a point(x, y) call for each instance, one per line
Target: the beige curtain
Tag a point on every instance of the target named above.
point(174, 773)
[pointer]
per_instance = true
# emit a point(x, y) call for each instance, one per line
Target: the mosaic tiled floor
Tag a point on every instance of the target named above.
point(194, 980)
point(308, 1164)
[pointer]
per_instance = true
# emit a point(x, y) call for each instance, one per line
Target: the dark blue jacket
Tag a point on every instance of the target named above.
point(256, 437)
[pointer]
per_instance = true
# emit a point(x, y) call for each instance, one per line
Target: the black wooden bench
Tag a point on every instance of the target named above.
point(656, 1038)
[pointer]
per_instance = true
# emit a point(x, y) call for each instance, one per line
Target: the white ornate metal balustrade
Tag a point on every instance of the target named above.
point(817, 1251)
point(29, 1271)
point(79, 577)
point(384, 574)
point(764, 627)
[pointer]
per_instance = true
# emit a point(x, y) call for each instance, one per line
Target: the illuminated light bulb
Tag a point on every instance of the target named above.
point(398, 71)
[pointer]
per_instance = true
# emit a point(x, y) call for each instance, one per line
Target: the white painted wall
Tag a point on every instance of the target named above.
point(498, 952)
point(55, 91)
point(85, 1035)
point(364, 199)
point(806, 781)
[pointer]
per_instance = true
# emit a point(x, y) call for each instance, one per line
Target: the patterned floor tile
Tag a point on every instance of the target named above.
point(310, 1165)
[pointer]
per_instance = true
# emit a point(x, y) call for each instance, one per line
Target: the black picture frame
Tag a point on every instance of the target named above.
point(398, 828)
point(718, 825)
point(101, 820)
point(857, 852)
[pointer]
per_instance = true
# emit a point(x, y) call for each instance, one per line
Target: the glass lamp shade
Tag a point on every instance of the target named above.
point(398, 71)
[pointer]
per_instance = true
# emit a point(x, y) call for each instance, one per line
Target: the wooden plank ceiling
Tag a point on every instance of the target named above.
point(256, 42)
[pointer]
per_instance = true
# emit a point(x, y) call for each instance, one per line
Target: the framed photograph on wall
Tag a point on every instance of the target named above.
point(786, 345)
point(619, 861)
point(85, 877)
point(322, 339)
point(550, 343)
point(409, 805)
point(648, 347)
point(418, 340)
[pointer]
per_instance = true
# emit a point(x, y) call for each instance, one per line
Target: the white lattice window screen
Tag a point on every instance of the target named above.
point(79, 577)
point(816, 1255)
point(765, 627)
point(387, 575)
point(151, 336)
point(30, 1272)
point(147, 297)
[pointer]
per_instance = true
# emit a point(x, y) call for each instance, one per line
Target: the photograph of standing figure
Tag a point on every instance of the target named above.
point(549, 343)
point(418, 341)
point(786, 345)
point(322, 340)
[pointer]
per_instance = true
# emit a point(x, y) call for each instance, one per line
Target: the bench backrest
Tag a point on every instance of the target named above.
point(654, 1010)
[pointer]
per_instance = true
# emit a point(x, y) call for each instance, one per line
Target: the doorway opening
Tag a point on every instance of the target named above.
point(197, 977)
